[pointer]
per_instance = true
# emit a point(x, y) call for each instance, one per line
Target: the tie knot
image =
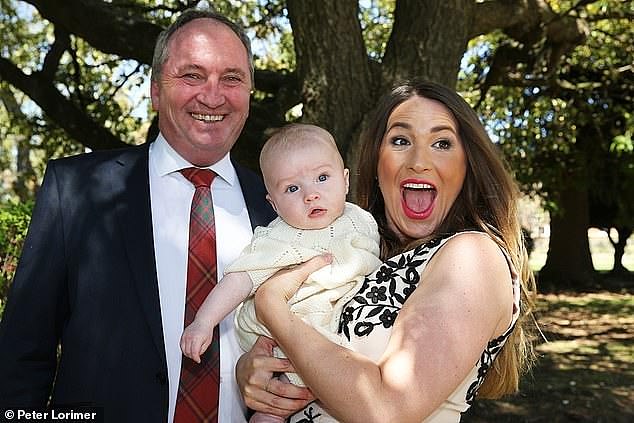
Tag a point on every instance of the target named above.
point(199, 177)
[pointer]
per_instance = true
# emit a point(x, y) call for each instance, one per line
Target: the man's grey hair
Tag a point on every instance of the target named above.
point(161, 50)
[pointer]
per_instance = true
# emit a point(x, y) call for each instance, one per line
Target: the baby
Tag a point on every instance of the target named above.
point(306, 184)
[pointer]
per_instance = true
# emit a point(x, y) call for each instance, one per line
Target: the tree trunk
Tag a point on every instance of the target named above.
point(569, 263)
point(619, 249)
point(332, 65)
point(428, 40)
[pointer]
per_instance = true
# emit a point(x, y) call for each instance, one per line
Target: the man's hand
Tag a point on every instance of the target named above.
point(261, 390)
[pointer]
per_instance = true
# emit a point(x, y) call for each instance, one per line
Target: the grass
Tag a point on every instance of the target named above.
point(585, 371)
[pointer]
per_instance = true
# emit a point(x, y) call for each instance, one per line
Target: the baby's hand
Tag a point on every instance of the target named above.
point(196, 339)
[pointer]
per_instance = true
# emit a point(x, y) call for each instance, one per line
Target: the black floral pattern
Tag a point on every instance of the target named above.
point(384, 274)
point(309, 416)
point(376, 294)
point(378, 302)
point(486, 361)
point(388, 317)
point(384, 292)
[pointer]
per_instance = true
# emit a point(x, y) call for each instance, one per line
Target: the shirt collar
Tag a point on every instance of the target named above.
point(167, 161)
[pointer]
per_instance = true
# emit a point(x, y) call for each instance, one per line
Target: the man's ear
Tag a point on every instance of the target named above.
point(154, 94)
point(270, 200)
point(346, 176)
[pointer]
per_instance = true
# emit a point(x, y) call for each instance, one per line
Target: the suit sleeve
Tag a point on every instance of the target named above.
point(37, 302)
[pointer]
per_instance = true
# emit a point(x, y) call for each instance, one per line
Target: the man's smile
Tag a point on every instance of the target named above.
point(207, 118)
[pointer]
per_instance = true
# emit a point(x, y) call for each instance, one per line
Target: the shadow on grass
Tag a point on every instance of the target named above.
point(585, 372)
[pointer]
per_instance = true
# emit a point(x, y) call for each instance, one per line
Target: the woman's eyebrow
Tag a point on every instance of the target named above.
point(437, 128)
point(440, 128)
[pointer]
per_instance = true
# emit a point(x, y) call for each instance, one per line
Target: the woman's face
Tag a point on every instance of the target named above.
point(421, 168)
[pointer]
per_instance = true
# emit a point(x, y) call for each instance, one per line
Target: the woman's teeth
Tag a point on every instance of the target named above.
point(418, 186)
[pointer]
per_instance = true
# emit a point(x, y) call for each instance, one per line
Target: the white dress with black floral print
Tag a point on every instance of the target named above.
point(368, 318)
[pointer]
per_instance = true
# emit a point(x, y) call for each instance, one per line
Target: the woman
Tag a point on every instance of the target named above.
point(450, 305)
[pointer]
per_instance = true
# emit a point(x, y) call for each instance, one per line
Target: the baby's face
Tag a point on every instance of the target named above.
point(307, 187)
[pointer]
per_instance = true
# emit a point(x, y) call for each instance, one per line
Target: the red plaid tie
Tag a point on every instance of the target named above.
point(199, 383)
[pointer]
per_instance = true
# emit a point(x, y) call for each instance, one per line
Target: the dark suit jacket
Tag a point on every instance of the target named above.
point(87, 280)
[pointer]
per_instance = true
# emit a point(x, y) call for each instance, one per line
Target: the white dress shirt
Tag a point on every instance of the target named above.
point(171, 195)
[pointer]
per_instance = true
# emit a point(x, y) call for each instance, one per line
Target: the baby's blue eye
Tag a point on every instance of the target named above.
point(292, 188)
point(322, 178)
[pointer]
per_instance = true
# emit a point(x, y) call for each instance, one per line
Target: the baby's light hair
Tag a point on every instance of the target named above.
point(292, 138)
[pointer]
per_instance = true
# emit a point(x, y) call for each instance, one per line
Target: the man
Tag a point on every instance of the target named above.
point(104, 267)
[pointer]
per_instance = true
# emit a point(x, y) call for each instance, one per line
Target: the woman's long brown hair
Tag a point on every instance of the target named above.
point(487, 203)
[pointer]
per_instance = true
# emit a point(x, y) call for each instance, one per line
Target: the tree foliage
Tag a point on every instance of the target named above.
point(74, 72)
point(14, 222)
point(569, 135)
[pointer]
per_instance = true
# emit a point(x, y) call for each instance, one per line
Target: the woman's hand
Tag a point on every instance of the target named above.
point(260, 390)
point(272, 297)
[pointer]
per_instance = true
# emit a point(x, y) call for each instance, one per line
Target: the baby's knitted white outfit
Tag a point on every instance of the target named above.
point(353, 241)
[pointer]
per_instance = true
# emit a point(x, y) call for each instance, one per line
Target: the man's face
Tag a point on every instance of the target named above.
point(203, 91)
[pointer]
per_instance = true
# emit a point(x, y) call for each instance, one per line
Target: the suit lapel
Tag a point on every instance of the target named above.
point(135, 219)
point(260, 211)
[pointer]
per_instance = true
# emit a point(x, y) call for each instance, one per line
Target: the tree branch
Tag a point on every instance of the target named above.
point(543, 39)
point(51, 61)
point(610, 15)
point(503, 14)
point(74, 121)
point(282, 85)
point(103, 26)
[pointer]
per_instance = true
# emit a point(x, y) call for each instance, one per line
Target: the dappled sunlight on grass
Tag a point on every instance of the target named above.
point(588, 303)
point(593, 354)
point(585, 371)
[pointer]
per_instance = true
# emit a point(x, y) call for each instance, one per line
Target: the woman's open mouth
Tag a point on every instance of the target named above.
point(418, 199)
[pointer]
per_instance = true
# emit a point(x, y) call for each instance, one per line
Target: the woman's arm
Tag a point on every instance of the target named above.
point(463, 300)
